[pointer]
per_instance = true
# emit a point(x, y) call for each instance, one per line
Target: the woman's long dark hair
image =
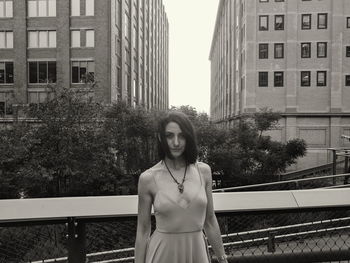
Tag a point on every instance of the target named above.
point(191, 151)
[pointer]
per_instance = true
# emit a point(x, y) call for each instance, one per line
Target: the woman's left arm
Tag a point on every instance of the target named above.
point(211, 226)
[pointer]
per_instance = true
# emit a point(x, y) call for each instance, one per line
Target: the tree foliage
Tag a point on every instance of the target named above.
point(76, 146)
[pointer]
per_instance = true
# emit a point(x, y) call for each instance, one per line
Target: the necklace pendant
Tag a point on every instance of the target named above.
point(181, 188)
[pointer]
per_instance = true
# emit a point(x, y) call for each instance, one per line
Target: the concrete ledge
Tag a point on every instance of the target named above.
point(46, 209)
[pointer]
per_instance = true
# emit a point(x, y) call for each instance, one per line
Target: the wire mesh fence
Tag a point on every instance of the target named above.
point(245, 235)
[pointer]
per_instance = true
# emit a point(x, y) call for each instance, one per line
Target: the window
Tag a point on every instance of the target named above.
point(279, 50)
point(83, 71)
point(41, 8)
point(279, 22)
point(279, 0)
point(263, 1)
point(305, 50)
point(305, 78)
point(6, 101)
point(42, 72)
point(305, 21)
point(89, 7)
point(6, 72)
point(321, 49)
point(348, 22)
point(90, 38)
point(76, 39)
point(321, 21)
point(263, 79)
point(347, 51)
point(278, 79)
point(321, 78)
point(42, 39)
point(347, 80)
point(6, 8)
point(75, 8)
point(263, 23)
point(6, 39)
point(263, 51)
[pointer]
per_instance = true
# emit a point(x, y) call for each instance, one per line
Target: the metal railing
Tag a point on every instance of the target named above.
point(256, 226)
point(329, 181)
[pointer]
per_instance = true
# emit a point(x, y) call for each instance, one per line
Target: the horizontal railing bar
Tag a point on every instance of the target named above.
point(291, 257)
point(252, 240)
point(115, 260)
point(89, 209)
point(286, 227)
point(313, 231)
point(281, 182)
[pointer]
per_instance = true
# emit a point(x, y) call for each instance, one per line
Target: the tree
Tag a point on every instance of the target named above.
point(68, 153)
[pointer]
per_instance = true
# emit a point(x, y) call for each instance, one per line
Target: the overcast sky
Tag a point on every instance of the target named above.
point(191, 26)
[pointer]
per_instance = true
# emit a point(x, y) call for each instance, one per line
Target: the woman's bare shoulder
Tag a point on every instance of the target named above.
point(205, 171)
point(147, 177)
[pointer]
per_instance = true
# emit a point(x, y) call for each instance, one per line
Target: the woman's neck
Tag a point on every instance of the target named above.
point(176, 163)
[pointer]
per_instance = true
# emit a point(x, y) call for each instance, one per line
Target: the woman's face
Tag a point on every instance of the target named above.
point(175, 139)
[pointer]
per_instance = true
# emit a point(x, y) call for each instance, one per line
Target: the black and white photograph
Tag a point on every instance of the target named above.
point(174, 131)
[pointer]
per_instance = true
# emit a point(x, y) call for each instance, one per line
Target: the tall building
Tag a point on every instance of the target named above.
point(119, 45)
point(291, 55)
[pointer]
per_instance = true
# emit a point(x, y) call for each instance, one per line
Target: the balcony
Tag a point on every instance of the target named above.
point(271, 226)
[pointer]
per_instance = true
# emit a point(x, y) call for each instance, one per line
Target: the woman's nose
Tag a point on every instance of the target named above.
point(176, 141)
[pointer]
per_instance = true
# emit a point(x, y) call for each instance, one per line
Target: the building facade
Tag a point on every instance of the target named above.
point(121, 46)
point(292, 56)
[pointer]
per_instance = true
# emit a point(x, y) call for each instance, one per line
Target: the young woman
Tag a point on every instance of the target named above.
point(180, 190)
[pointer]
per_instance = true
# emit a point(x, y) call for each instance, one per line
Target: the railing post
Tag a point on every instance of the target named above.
point(271, 246)
point(76, 241)
point(346, 167)
point(334, 164)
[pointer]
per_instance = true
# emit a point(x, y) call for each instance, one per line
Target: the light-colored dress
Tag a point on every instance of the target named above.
point(179, 236)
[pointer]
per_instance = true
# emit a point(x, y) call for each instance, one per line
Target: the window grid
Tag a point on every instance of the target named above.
point(263, 79)
point(6, 39)
point(83, 72)
point(321, 78)
point(6, 72)
point(305, 50)
point(322, 21)
point(6, 8)
point(263, 51)
point(347, 80)
point(279, 50)
point(41, 8)
point(279, 22)
point(305, 78)
point(278, 78)
point(42, 72)
point(263, 23)
point(347, 51)
point(6, 102)
point(42, 39)
point(321, 49)
point(305, 21)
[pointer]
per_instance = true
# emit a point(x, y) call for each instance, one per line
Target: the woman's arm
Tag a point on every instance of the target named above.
point(144, 217)
point(211, 226)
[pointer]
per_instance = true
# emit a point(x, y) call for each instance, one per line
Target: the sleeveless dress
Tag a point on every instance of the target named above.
point(178, 237)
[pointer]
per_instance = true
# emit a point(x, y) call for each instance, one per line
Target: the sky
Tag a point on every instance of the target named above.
point(191, 27)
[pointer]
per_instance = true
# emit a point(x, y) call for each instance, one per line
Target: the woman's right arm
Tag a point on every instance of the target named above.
point(144, 217)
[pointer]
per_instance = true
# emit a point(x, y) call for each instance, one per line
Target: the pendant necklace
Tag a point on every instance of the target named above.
point(180, 186)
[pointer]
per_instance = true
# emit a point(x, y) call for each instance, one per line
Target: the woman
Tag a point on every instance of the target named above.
point(180, 190)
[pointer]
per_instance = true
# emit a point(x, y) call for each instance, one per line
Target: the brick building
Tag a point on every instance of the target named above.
point(120, 45)
point(291, 55)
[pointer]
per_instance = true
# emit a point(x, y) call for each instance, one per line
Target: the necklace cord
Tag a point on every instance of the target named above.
point(183, 179)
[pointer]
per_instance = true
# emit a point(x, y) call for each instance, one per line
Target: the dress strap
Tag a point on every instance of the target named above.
point(199, 172)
